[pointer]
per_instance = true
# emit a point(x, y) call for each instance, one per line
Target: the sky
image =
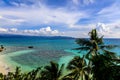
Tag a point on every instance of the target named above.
point(74, 18)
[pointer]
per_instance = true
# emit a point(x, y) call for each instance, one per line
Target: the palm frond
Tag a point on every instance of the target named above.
point(73, 75)
point(100, 40)
point(108, 46)
point(60, 70)
point(93, 35)
point(83, 42)
point(76, 62)
point(109, 54)
point(82, 48)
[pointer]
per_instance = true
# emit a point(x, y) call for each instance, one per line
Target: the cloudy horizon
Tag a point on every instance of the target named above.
point(73, 18)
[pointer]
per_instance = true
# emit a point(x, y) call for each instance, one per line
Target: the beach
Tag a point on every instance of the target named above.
point(3, 65)
point(18, 54)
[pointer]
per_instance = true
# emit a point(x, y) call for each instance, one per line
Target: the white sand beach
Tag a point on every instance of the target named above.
point(3, 66)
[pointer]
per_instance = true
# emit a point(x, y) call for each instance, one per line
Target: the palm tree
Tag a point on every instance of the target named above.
point(79, 69)
point(105, 68)
point(32, 75)
point(18, 75)
point(52, 71)
point(94, 46)
point(91, 45)
point(99, 62)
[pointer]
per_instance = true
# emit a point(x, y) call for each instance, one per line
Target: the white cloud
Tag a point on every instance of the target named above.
point(109, 30)
point(83, 2)
point(13, 29)
point(76, 2)
point(54, 32)
point(3, 30)
point(4, 21)
point(88, 2)
point(49, 31)
point(43, 15)
point(25, 15)
point(39, 32)
point(76, 34)
point(102, 28)
point(110, 9)
point(40, 15)
point(110, 13)
point(1, 17)
point(26, 3)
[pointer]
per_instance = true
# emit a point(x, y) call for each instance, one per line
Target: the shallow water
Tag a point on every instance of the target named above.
point(45, 49)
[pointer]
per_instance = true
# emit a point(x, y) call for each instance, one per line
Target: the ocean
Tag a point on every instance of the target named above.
point(45, 49)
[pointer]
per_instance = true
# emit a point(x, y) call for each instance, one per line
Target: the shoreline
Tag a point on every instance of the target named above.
point(4, 68)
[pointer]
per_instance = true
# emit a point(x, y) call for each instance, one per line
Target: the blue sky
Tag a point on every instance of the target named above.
point(73, 18)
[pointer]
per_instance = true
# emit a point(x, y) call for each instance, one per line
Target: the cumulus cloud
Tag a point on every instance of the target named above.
point(40, 32)
point(3, 30)
point(13, 29)
point(108, 30)
point(28, 14)
point(43, 31)
point(48, 30)
point(102, 28)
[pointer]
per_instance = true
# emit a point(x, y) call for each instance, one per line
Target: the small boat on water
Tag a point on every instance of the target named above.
point(30, 47)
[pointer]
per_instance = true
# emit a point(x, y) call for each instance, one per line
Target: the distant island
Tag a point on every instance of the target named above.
point(43, 37)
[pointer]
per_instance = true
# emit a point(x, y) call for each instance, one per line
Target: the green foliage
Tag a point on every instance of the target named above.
point(93, 66)
point(18, 75)
point(52, 71)
point(79, 69)
point(101, 63)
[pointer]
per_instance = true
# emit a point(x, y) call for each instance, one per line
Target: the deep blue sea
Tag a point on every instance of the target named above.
point(45, 49)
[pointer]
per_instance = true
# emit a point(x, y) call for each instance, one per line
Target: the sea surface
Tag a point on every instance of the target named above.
point(45, 49)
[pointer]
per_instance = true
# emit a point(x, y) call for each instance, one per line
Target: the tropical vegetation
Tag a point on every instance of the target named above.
point(97, 64)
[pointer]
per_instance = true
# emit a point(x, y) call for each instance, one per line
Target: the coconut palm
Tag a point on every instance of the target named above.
point(94, 45)
point(18, 75)
point(105, 68)
point(32, 75)
point(79, 69)
point(52, 71)
point(99, 62)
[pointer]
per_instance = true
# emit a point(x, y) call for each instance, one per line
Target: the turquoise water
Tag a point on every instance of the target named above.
point(45, 49)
